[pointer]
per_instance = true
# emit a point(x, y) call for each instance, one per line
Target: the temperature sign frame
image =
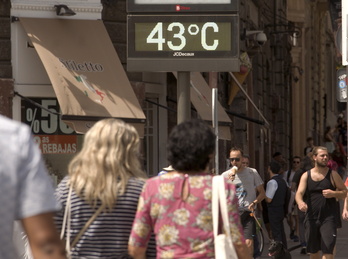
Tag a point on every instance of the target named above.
point(199, 43)
point(182, 6)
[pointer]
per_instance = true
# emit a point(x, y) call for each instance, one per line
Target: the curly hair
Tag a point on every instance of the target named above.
point(190, 145)
point(108, 159)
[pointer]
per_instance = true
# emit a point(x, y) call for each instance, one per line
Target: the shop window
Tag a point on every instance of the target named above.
point(57, 141)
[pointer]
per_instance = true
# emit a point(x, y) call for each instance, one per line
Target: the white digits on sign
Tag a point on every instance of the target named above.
point(178, 35)
point(49, 125)
point(159, 40)
point(65, 128)
point(204, 36)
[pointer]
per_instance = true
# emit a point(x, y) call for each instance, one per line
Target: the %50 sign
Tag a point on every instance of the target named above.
point(42, 121)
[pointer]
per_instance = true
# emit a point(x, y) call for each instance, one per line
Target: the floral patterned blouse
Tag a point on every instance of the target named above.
point(183, 228)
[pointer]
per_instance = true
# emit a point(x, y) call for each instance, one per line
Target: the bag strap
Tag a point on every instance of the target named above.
point(66, 222)
point(215, 206)
point(66, 212)
point(219, 198)
point(83, 230)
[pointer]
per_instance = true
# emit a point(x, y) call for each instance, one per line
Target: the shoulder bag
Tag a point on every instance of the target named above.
point(224, 248)
point(66, 224)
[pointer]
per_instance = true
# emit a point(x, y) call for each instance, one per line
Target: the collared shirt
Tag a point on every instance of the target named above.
point(25, 187)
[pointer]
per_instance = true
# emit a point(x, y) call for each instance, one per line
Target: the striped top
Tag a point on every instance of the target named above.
point(107, 237)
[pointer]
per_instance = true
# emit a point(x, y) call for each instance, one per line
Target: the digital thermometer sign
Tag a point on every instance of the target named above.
point(182, 6)
point(183, 36)
point(172, 43)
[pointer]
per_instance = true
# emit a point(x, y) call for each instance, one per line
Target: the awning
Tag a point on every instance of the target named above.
point(201, 98)
point(249, 98)
point(85, 71)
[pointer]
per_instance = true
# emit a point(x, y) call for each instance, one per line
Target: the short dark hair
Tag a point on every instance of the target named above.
point(237, 149)
point(275, 167)
point(276, 154)
point(189, 145)
point(309, 139)
point(298, 157)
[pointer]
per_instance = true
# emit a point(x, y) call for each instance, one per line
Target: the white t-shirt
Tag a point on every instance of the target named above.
point(285, 177)
point(246, 182)
point(25, 187)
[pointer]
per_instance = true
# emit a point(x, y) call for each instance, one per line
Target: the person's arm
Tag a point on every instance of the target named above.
point(293, 187)
point(261, 195)
point(272, 187)
point(268, 200)
point(137, 252)
point(141, 229)
point(300, 193)
point(242, 251)
point(341, 190)
point(345, 209)
point(260, 190)
point(43, 237)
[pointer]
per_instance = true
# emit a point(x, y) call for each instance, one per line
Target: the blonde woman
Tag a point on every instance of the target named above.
point(107, 173)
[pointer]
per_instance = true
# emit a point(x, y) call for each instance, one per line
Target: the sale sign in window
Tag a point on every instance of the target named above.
point(57, 144)
point(51, 134)
point(44, 118)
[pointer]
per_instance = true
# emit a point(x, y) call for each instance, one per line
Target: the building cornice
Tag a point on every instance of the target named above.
point(50, 8)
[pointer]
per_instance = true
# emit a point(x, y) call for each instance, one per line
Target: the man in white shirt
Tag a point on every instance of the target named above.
point(275, 197)
point(248, 184)
point(26, 194)
point(292, 217)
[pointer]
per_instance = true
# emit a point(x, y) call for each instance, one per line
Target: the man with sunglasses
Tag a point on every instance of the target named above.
point(291, 216)
point(249, 191)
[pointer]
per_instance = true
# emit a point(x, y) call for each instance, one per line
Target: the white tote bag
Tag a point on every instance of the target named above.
point(224, 248)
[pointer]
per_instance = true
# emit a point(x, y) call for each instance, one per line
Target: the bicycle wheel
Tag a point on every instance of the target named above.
point(261, 242)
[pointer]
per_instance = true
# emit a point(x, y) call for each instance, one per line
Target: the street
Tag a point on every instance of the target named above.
point(341, 244)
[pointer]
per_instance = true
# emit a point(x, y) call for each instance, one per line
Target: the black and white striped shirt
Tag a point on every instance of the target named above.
point(107, 237)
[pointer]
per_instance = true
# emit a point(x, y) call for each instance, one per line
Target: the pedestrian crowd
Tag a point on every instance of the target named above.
point(106, 207)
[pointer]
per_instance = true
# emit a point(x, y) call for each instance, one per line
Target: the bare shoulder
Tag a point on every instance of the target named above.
point(304, 176)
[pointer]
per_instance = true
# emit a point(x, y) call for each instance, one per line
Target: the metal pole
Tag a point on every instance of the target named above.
point(215, 126)
point(183, 95)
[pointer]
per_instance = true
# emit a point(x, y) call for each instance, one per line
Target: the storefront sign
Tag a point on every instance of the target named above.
point(183, 43)
point(40, 120)
point(342, 94)
point(57, 144)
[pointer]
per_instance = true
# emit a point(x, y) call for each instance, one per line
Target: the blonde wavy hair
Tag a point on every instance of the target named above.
point(108, 159)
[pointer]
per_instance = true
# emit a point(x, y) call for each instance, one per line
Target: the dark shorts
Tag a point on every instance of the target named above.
point(321, 236)
point(248, 224)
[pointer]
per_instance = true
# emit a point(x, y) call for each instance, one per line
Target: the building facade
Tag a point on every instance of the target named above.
point(285, 90)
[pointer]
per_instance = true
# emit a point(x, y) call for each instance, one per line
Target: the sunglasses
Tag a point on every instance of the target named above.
point(237, 159)
point(297, 162)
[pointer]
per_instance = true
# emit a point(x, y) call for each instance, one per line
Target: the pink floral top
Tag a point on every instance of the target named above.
point(183, 228)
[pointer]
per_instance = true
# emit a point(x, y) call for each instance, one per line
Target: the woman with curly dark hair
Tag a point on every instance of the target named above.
point(177, 205)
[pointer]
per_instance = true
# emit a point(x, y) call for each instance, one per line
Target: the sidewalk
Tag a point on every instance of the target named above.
point(341, 244)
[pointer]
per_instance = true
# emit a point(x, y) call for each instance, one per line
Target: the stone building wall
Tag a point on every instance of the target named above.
point(6, 84)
